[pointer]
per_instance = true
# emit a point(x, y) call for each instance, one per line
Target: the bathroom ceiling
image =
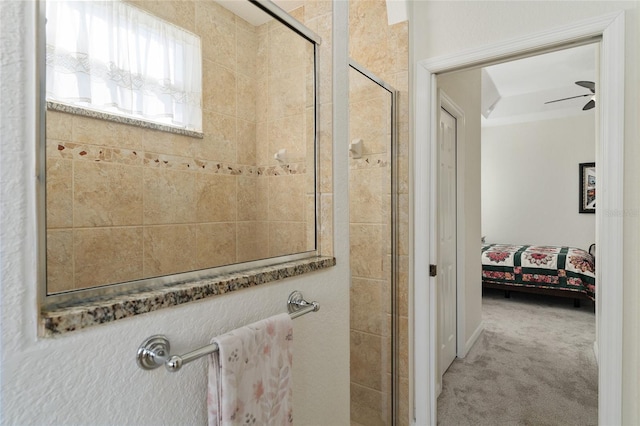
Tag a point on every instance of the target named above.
point(518, 90)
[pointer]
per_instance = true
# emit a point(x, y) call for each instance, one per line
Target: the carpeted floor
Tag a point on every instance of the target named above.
point(532, 365)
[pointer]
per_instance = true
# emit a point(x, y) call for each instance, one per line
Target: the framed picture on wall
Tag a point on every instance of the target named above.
point(587, 187)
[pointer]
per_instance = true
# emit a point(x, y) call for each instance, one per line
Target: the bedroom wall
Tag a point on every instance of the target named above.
point(530, 182)
point(464, 88)
point(452, 27)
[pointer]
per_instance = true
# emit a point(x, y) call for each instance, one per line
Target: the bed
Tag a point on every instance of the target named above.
point(553, 270)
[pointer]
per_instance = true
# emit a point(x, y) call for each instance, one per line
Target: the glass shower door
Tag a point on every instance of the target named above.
point(372, 219)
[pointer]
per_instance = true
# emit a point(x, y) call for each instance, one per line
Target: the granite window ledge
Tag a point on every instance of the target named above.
point(87, 313)
point(122, 119)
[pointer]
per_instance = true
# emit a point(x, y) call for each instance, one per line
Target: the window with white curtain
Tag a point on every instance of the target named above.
point(112, 57)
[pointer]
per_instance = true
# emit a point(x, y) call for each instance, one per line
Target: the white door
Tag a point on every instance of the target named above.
point(446, 274)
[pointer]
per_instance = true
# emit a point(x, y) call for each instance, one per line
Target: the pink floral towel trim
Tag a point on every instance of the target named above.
point(250, 375)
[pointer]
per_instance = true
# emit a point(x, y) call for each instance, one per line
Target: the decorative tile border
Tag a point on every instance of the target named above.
point(69, 109)
point(86, 152)
point(369, 162)
point(93, 312)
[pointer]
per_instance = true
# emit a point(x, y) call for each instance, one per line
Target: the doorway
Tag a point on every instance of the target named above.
point(610, 30)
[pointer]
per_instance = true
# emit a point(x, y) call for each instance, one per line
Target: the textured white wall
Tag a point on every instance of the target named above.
point(90, 376)
point(530, 182)
point(445, 27)
point(464, 88)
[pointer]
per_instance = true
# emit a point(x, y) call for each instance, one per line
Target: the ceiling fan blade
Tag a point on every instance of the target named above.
point(564, 99)
point(588, 84)
point(591, 104)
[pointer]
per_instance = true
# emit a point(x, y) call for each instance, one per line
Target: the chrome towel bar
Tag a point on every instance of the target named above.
point(154, 351)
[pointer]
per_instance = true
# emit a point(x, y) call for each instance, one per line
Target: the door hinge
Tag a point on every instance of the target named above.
point(433, 270)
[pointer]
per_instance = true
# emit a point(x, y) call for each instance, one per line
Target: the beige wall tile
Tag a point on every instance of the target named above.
point(169, 196)
point(287, 91)
point(179, 13)
point(216, 25)
point(403, 286)
point(216, 244)
point(106, 194)
point(362, 89)
point(403, 398)
point(105, 133)
point(310, 215)
point(368, 121)
point(315, 8)
point(287, 133)
point(59, 261)
point(262, 198)
point(368, 406)
point(216, 198)
point(286, 49)
point(247, 48)
point(326, 149)
point(246, 137)
point(286, 238)
point(219, 142)
point(326, 225)
point(218, 88)
point(367, 195)
point(403, 344)
point(59, 125)
point(168, 143)
point(59, 193)
point(400, 45)
point(169, 249)
point(367, 368)
point(242, 25)
point(262, 144)
point(287, 198)
point(262, 100)
point(368, 307)
point(367, 247)
point(246, 98)
point(253, 241)
point(107, 255)
point(247, 194)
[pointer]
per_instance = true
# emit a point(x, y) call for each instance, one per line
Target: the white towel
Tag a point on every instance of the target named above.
point(250, 375)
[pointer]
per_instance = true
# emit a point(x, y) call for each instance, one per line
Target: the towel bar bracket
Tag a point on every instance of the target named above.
point(155, 350)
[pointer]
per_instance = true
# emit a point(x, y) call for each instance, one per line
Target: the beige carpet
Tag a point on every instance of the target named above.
point(532, 365)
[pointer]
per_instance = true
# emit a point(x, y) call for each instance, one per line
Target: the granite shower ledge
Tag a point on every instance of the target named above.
point(92, 312)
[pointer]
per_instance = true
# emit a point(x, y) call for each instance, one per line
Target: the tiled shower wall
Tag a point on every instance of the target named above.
point(125, 203)
point(383, 50)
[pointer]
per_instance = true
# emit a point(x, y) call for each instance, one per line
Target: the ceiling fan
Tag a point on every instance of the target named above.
point(587, 84)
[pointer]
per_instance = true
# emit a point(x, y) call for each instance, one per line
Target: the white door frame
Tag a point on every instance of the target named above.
point(609, 225)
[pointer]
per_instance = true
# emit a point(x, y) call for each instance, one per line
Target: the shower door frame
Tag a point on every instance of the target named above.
point(395, 329)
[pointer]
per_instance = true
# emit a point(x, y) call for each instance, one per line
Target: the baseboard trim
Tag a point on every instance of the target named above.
point(595, 352)
point(472, 340)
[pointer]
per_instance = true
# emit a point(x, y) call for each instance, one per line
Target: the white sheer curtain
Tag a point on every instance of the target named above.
point(113, 57)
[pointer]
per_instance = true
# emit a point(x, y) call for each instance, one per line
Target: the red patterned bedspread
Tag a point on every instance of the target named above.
point(563, 268)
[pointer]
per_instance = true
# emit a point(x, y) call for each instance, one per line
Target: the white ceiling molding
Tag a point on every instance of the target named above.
point(525, 85)
point(490, 95)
